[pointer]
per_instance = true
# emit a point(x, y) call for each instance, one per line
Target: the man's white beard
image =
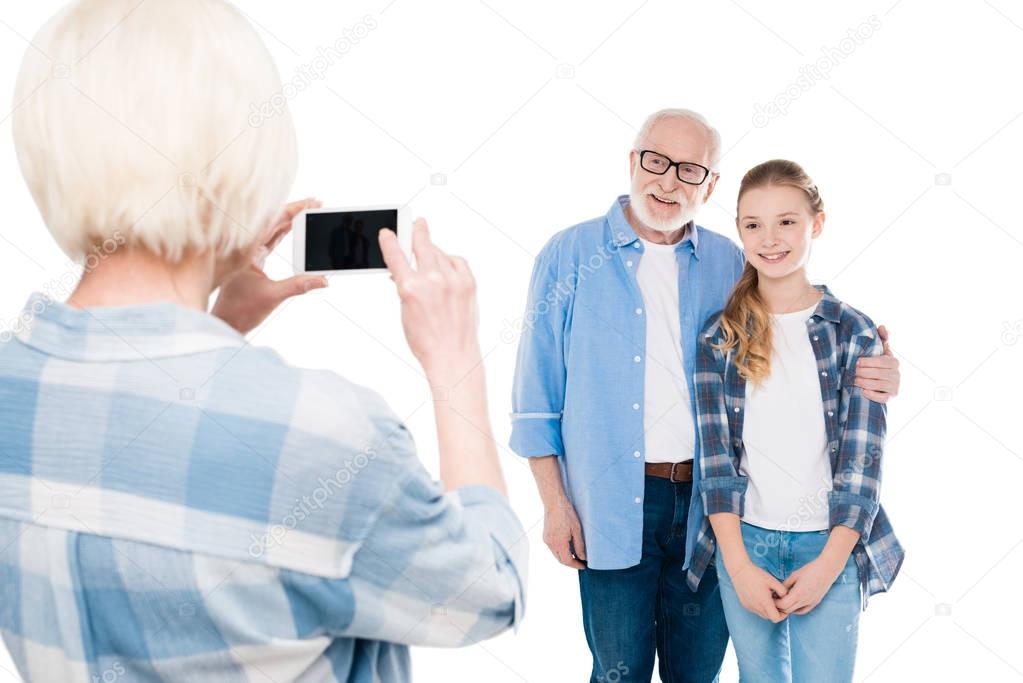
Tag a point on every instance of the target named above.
point(687, 212)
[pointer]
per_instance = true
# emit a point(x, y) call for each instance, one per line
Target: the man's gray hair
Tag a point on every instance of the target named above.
point(712, 134)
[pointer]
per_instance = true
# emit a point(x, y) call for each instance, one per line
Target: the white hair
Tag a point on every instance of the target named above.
point(132, 121)
point(712, 134)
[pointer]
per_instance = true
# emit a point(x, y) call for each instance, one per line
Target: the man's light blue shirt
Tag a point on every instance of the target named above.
point(578, 390)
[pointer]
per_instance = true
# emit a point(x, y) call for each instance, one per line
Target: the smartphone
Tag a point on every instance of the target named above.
point(344, 241)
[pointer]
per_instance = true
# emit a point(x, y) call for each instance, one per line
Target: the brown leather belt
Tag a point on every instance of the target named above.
point(675, 471)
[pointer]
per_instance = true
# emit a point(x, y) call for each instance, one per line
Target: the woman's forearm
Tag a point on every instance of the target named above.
point(468, 454)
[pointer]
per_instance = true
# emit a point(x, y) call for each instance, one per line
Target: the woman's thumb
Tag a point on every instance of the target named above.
point(300, 284)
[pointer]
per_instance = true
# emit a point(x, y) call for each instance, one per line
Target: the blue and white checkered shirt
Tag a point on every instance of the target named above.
point(178, 505)
point(855, 426)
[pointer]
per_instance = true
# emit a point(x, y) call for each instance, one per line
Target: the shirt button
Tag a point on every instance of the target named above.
point(636, 244)
point(639, 311)
point(635, 406)
point(831, 414)
point(816, 338)
point(824, 374)
point(637, 500)
point(635, 454)
point(736, 408)
point(629, 264)
point(636, 359)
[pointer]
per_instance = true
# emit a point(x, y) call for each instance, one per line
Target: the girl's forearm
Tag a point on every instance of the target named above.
point(728, 535)
point(840, 545)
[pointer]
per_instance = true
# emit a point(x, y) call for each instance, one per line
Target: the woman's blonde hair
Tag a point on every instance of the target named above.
point(745, 321)
point(133, 125)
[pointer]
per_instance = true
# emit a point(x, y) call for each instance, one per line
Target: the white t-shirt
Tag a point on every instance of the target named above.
point(786, 449)
point(667, 417)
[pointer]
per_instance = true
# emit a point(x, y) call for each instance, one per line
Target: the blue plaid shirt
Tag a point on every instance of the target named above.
point(178, 505)
point(579, 375)
point(855, 426)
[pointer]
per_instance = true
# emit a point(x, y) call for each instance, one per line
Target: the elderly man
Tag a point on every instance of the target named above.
point(603, 405)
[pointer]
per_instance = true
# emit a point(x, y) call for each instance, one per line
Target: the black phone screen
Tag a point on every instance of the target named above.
point(346, 240)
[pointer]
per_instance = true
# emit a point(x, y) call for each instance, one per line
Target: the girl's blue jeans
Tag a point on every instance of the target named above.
point(818, 646)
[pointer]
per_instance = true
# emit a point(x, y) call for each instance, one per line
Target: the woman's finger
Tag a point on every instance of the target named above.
point(422, 247)
point(298, 284)
point(395, 259)
point(292, 209)
point(284, 225)
point(461, 266)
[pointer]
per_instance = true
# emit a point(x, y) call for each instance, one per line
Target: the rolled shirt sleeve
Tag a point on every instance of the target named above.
point(439, 569)
point(538, 392)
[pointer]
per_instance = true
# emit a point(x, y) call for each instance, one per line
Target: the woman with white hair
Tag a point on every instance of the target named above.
point(176, 504)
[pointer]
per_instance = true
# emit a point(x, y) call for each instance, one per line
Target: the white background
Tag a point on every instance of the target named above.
point(528, 109)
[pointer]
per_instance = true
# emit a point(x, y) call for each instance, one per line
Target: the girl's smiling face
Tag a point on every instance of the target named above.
point(776, 226)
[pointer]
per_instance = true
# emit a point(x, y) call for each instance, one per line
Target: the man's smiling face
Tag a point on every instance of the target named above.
point(663, 202)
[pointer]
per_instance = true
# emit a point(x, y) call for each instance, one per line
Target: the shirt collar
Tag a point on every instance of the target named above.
point(114, 333)
point(622, 234)
point(829, 307)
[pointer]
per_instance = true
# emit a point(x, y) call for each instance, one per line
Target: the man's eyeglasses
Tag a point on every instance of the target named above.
point(687, 171)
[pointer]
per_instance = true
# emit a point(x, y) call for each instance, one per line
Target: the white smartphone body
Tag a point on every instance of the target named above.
point(344, 241)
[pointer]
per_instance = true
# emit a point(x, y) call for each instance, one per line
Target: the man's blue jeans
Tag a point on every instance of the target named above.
point(818, 646)
point(630, 613)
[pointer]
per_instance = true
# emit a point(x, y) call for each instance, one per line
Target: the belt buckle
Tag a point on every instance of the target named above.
point(671, 477)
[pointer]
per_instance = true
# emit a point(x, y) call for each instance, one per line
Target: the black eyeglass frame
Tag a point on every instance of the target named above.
point(676, 164)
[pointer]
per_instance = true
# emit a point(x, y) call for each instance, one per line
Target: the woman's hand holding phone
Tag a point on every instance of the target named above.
point(248, 296)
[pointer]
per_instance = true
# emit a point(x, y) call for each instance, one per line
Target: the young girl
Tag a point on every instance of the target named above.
point(790, 461)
